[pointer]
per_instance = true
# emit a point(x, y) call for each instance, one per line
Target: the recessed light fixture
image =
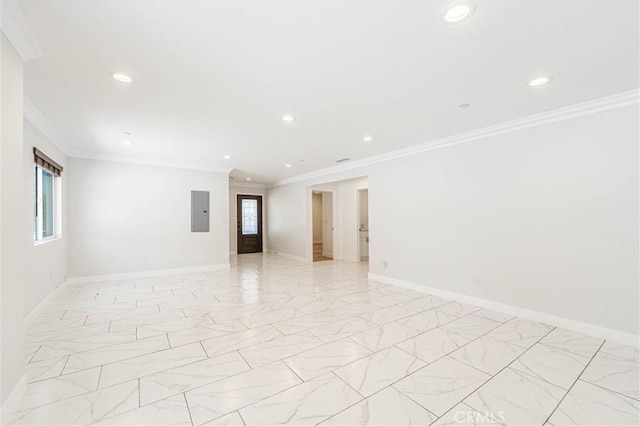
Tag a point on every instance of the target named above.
point(539, 81)
point(288, 118)
point(367, 139)
point(288, 165)
point(247, 178)
point(458, 12)
point(126, 140)
point(122, 78)
point(227, 157)
point(464, 106)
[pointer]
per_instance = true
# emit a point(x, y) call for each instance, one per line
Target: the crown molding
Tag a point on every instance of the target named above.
point(578, 110)
point(246, 184)
point(114, 158)
point(15, 27)
point(39, 121)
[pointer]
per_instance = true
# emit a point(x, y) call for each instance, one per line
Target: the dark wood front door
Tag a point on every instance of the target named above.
point(249, 224)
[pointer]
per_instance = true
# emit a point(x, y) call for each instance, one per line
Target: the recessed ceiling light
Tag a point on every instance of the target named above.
point(122, 78)
point(227, 157)
point(539, 81)
point(287, 118)
point(458, 12)
point(126, 140)
point(367, 139)
point(288, 165)
point(247, 178)
point(464, 106)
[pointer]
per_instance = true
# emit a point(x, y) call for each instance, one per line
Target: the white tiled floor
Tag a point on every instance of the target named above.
point(278, 341)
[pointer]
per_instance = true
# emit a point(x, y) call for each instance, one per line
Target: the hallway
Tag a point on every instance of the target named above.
point(274, 341)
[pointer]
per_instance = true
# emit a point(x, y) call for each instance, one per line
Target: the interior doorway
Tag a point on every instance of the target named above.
point(363, 224)
point(249, 218)
point(322, 224)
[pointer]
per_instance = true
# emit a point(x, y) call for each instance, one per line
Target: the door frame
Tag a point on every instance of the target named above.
point(334, 220)
point(234, 218)
point(260, 224)
point(359, 247)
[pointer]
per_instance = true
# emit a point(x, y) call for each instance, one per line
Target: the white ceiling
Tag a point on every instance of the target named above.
point(215, 77)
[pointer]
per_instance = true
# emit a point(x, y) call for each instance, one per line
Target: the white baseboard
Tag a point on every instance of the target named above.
point(291, 256)
point(11, 405)
point(28, 320)
point(147, 274)
point(554, 320)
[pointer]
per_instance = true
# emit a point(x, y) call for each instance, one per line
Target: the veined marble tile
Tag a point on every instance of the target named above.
point(241, 312)
point(620, 351)
point(67, 347)
point(242, 339)
point(520, 398)
point(471, 326)
point(362, 296)
point(488, 354)
point(269, 317)
point(433, 344)
point(280, 348)
point(172, 326)
point(124, 314)
point(323, 359)
point(83, 409)
point(55, 389)
point(341, 329)
point(494, 315)
point(151, 363)
point(424, 303)
point(458, 309)
point(308, 403)
point(222, 397)
point(384, 336)
point(391, 300)
point(387, 315)
point(521, 332)
point(142, 320)
point(377, 371)
point(350, 311)
point(53, 326)
point(303, 323)
point(613, 373)
point(441, 385)
point(172, 411)
point(109, 354)
point(197, 334)
point(322, 305)
point(190, 376)
point(232, 419)
point(463, 415)
point(67, 334)
point(590, 404)
point(570, 341)
point(45, 369)
point(388, 407)
point(555, 366)
point(282, 301)
point(428, 320)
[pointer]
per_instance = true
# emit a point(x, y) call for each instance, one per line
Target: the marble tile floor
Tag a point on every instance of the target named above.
point(277, 341)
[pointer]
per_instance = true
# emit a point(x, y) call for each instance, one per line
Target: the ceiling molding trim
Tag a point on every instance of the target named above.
point(15, 27)
point(246, 184)
point(40, 122)
point(566, 113)
point(114, 158)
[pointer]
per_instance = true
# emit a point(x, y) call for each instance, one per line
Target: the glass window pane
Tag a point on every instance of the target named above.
point(47, 204)
point(249, 217)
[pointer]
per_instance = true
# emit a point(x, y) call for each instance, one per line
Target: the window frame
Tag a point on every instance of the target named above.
point(56, 210)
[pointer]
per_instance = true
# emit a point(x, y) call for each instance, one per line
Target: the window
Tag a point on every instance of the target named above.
point(46, 197)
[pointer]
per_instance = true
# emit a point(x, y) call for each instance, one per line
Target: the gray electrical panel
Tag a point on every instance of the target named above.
point(199, 211)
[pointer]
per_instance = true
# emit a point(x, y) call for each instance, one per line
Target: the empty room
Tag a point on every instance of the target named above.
point(346, 212)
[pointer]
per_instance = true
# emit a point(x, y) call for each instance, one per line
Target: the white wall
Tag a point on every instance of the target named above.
point(545, 217)
point(317, 217)
point(132, 218)
point(13, 229)
point(233, 214)
point(50, 257)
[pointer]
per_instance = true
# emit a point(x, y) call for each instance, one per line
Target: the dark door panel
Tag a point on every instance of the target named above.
point(249, 219)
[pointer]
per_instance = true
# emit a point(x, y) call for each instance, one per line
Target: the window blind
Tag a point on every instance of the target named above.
point(46, 163)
